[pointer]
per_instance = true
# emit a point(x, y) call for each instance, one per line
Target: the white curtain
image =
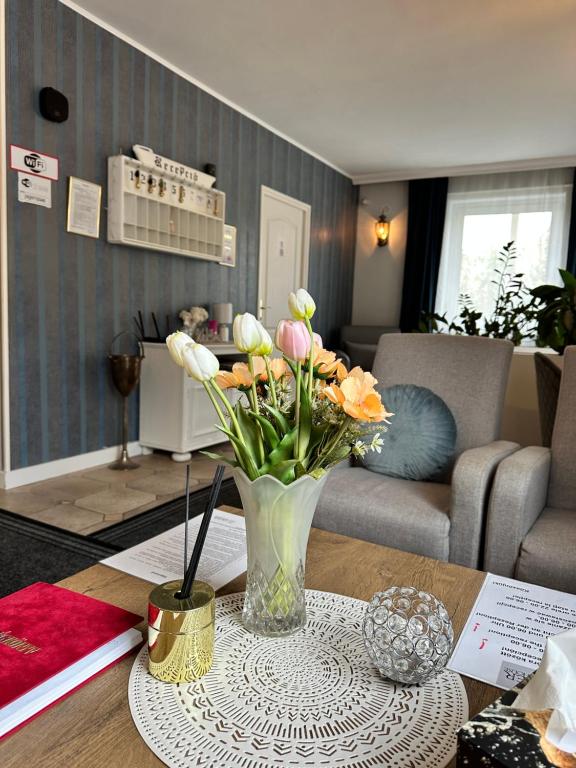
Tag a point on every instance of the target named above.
point(485, 212)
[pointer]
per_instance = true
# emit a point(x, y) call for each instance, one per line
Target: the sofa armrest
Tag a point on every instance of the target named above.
point(517, 499)
point(471, 482)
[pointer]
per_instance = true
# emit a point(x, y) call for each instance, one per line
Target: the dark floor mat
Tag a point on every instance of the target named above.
point(32, 551)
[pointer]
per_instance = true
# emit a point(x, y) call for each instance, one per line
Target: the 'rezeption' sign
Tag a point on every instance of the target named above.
point(34, 163)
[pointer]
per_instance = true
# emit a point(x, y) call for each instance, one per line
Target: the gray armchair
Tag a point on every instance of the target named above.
point(360, 342)
point(531, 528)
point(441, 520)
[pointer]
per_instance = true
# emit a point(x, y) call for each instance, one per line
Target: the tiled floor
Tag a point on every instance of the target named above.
point(91, 500)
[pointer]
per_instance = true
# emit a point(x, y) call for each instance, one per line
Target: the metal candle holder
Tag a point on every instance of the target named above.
point(125, 371)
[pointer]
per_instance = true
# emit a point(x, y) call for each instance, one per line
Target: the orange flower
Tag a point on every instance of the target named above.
point(278, 368)
point(357, 397)
point(326, 364)
point(240, 376)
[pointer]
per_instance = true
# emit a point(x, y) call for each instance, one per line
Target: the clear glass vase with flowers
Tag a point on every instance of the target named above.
point(297, 417)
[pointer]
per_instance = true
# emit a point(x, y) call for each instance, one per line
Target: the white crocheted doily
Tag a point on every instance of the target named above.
point(311, 699)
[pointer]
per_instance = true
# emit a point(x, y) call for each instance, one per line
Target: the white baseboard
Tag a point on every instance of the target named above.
point(16, 477)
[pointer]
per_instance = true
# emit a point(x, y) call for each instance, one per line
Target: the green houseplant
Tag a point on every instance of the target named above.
point(514, 316)
point(556, 313)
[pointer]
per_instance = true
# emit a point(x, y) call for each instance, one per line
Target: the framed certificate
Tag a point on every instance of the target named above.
point(84, 199)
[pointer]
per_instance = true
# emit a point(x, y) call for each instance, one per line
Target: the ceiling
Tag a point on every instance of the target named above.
point(380, 88)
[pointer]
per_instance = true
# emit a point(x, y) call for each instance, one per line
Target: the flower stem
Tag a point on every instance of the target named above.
point(297, 411)
point(215, 404)
point(254, 398)
point(310, 361)
point(332, 444)
point(271, 382)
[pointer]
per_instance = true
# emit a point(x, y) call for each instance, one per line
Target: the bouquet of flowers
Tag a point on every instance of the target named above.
point(298, 414)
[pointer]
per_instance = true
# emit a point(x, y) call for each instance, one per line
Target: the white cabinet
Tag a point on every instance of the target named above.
point(155, 210)
point(175, 412)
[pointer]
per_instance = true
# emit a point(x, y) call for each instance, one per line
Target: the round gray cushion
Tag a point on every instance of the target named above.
point(421, 438)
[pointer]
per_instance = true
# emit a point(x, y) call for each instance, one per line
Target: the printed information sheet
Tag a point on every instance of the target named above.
point(161, 558)
point(505, 635)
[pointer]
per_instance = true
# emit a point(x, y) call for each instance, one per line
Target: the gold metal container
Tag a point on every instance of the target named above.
point(180, 632)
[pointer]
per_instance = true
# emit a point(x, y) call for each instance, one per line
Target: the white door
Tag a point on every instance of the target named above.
point(284, 248)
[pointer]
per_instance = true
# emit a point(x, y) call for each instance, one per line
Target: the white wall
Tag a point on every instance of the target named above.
point(378, 272)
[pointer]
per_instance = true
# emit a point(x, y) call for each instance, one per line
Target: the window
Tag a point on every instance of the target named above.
point(483, 213)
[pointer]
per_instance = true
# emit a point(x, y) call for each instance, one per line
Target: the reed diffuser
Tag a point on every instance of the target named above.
point(181, 613)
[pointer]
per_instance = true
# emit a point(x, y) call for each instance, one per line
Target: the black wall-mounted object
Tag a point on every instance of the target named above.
point(53, 105)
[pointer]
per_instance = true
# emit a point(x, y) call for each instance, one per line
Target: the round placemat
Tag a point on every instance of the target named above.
point(311, 699)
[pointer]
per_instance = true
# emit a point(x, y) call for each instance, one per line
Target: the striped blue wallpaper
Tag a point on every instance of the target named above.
point(69, 295)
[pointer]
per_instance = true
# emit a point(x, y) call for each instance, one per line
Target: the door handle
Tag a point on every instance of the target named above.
point(261, 308)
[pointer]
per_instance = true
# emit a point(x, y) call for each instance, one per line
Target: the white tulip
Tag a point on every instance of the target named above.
point(249, 334)
point(199, 362)
point(301, 305)
point(176, 343)
point(266, 345)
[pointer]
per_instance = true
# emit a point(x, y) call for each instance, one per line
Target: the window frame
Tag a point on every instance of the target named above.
point(508, 201)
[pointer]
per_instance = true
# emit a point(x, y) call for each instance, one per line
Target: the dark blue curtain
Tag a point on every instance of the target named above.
point(426, 213)
point(571, 261)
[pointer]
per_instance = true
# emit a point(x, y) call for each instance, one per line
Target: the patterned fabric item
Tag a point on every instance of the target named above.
point(421, 439)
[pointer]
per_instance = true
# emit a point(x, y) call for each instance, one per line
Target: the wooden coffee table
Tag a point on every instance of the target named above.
point(93, 727)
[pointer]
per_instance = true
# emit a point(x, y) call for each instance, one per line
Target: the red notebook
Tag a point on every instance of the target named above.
point(52, 641)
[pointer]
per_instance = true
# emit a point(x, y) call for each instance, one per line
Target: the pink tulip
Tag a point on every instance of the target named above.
point(293, 339)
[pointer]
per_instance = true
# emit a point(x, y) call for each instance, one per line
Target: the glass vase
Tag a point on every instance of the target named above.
point(278, 520)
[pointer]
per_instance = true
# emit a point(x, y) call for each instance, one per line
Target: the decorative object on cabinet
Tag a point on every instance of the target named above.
point(125, 371)
point(192, 319)
point(175, 412)
point(222, 313)
point(162, 205)
point(229, 247)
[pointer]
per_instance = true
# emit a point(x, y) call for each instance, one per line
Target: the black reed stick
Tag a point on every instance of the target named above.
point(140, 329)
point(167, 325)
point(184, 593)
point(158, 334)
point(187, 518)
point(142, 324)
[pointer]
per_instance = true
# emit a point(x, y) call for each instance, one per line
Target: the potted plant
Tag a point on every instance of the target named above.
point(297, 417)
point(556, 313)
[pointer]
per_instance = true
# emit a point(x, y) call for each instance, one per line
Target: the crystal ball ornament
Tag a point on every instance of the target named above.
point(408, 634)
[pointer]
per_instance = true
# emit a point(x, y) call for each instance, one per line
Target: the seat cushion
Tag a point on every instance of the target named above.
point(548, 552)
point(405, 514)
point(420, 441)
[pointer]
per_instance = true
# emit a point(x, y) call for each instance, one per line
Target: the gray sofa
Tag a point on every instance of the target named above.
point(441, 520)
point(531, 529)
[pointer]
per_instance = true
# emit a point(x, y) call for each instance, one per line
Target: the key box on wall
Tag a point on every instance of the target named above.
point(158, 211)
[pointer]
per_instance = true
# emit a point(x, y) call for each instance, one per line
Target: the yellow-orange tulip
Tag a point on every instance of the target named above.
point(357, 397)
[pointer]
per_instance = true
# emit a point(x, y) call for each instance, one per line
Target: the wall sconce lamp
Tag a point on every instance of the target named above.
point(382, 227)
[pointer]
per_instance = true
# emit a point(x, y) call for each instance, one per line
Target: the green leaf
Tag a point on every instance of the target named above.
point(248, 462)
point(250, 431)
point(284, 471)
point(220, 457)
point(568, 279)
point(283, 450)
point(268, 430)
point(280, 418)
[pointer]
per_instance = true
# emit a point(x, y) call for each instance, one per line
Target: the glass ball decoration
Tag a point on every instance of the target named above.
point(408, 634)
